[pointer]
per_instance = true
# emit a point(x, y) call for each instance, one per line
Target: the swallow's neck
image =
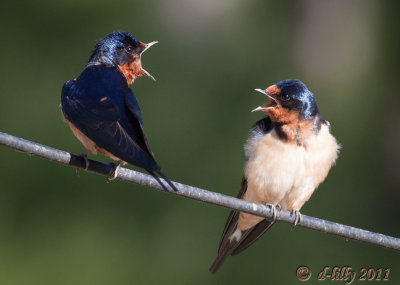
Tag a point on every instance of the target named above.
point(291, 126)
point(101, 58)
point(132, 70)
point(298, 131)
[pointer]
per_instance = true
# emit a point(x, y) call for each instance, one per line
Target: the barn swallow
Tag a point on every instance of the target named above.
point(101, 109)
point(288, 154)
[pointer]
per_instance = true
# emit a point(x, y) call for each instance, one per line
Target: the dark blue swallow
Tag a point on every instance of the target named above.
point(288, 154)
point(101, 109)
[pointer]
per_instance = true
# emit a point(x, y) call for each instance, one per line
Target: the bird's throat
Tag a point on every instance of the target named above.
point(132, 70)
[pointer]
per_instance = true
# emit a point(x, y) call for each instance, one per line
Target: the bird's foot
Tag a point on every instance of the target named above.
point(115, 172)
point(273, 209)
point(297, 218)
point(83, 154)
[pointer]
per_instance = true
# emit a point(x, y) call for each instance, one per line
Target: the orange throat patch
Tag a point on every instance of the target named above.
point(281, 115)
point(132, 70)
point(295, 130)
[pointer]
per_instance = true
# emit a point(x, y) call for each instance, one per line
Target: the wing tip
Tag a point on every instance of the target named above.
point(226, 248)
point(219, 260)
point(167, 180)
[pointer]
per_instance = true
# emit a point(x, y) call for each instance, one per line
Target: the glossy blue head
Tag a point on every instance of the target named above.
point(291, 96)
point(296, 96)
point(119, 47)
point(122, 50)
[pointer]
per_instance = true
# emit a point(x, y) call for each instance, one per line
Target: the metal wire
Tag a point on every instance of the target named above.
point(199, 194)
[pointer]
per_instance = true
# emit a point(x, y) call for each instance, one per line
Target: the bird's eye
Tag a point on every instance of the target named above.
point(129, 49)
point(285, 97)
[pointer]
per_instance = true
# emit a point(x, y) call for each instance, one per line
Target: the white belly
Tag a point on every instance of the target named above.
point(283, 173)
point(272, 169)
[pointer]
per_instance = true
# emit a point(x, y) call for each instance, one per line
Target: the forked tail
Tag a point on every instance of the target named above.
point(165, 178)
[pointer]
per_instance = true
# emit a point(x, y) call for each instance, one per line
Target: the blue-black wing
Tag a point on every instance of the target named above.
point(228, 246)
point(102, 106)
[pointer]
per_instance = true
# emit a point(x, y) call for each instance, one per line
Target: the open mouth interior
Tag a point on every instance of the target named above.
point(146, 73)
point(272, 103)
point(140, 60)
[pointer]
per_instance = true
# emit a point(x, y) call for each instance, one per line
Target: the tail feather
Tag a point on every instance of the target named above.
point(158, 180)
point(152, 173)
point(254, 234)
point(234, 241)
point(227, 248)
point(168, 181)
point(223, 254)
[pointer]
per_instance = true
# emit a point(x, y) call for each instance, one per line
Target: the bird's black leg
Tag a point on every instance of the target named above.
point(85, 158)
point(115, 165)
point(83, 154)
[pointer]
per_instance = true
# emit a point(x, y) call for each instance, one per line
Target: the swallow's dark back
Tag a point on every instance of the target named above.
point(102, 106)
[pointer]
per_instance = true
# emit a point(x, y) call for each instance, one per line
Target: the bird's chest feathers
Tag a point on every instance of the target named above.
point(132, 70)
point(289, 126)
point(298, 132)
point(276, 165)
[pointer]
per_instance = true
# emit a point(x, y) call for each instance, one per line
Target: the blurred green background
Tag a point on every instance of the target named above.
point(58, 228)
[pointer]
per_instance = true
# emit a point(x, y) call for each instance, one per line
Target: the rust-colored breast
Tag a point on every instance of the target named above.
point(129, 72)
point(282, 115)
point(88, 143)
point(132, 70)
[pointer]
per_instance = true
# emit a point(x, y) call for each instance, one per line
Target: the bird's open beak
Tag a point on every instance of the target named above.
point(269, 104)
point(261, 108)
point(146, 47)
